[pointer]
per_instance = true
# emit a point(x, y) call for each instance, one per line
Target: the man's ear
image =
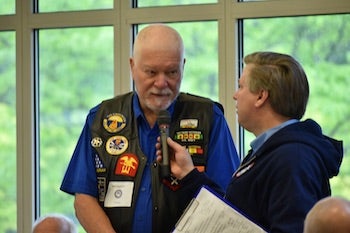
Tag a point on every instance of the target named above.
point(262, 96)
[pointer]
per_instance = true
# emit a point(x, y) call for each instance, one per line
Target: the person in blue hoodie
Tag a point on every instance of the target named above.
point(291, 161)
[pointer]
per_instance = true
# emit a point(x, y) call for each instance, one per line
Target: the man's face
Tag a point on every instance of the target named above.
point(157, 76)
point(245, 100)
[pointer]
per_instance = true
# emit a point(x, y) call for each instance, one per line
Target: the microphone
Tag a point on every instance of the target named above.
point(164, 120)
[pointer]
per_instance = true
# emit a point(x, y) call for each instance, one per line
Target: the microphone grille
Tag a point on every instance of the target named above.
point(164, 117)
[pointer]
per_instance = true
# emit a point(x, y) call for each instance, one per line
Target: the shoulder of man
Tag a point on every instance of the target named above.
point(196, 98)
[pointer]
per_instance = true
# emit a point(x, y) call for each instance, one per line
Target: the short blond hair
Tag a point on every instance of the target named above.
point(284, 79)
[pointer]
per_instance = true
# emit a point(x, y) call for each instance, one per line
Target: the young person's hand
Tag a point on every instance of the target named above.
point(180, 160)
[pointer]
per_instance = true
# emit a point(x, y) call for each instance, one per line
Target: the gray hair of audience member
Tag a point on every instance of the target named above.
point(54, 223)
point(330, 214)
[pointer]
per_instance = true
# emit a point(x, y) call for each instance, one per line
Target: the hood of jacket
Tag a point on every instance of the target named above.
point(310, 133)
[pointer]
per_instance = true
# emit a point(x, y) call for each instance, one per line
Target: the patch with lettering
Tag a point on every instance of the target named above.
point(102, 187)
point(189, 123)
point(127, 165)
point(114, 122)
point(117, 145)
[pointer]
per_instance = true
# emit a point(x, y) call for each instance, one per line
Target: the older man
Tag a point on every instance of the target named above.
point(113, 172)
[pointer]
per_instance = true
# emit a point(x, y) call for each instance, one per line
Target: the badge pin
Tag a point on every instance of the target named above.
point(197, 150)
point(100, 167)
point(96, 142)
point(244, 170)
point(172, 183)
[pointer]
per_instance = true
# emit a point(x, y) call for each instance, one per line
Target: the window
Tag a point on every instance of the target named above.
point(8, 132)
point(75, 74)
point(7, 8)
point(73, 54)
point(320, 43)
point(54, 6)
point(150, 3)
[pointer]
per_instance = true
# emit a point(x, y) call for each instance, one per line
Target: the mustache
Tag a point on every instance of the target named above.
point(162, 92)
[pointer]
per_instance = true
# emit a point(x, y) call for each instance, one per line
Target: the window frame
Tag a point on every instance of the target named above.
point(122, 17)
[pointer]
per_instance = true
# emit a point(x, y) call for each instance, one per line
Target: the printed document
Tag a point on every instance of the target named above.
point(208, 213)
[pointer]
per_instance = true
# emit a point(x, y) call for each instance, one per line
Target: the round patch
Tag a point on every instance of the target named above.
point(117, 145)
point(114, 122)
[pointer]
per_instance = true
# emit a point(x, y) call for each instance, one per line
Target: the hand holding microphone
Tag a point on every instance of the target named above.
point(182, 162)
point(164, 120)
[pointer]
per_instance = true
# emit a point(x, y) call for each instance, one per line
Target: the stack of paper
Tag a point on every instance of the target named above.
point(208, 213)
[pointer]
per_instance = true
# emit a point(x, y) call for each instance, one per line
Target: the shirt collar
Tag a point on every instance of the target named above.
point(262, 138)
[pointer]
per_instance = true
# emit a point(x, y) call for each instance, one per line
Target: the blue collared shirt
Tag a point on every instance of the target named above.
point(142, 221)
point(222, 161)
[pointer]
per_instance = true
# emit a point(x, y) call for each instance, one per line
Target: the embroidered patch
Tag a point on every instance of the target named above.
point(127, 165)
point(188, 136)
point(189, 123)
point(101, 186)
point(117, 145)
point(114, 122)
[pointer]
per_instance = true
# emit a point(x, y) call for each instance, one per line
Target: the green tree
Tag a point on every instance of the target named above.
point(320, 43)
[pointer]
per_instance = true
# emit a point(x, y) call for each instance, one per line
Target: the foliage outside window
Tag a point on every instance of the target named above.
point(75, 74)
point(321, 45)
point(76, 71)
point(8, 170)
point(67, 5)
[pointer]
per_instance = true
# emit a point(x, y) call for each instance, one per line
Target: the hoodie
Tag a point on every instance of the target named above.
point(288, 174)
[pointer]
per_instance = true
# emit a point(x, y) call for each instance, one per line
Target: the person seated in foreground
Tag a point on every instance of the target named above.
point(330, 214)
point(54, 223)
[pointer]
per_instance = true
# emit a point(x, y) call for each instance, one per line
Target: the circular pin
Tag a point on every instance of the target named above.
point(96, 142)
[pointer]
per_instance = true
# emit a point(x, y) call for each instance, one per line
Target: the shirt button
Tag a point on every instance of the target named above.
point(155, 164)
point(156, 208)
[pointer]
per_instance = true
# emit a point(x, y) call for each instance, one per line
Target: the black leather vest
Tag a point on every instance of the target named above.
point(119, 157)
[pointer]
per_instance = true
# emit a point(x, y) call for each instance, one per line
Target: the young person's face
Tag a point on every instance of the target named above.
point(245, 100)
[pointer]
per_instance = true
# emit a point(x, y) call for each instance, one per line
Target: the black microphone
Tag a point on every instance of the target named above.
point(164, 120)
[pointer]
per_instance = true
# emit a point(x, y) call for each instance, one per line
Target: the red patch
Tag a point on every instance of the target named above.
point(127, 165)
